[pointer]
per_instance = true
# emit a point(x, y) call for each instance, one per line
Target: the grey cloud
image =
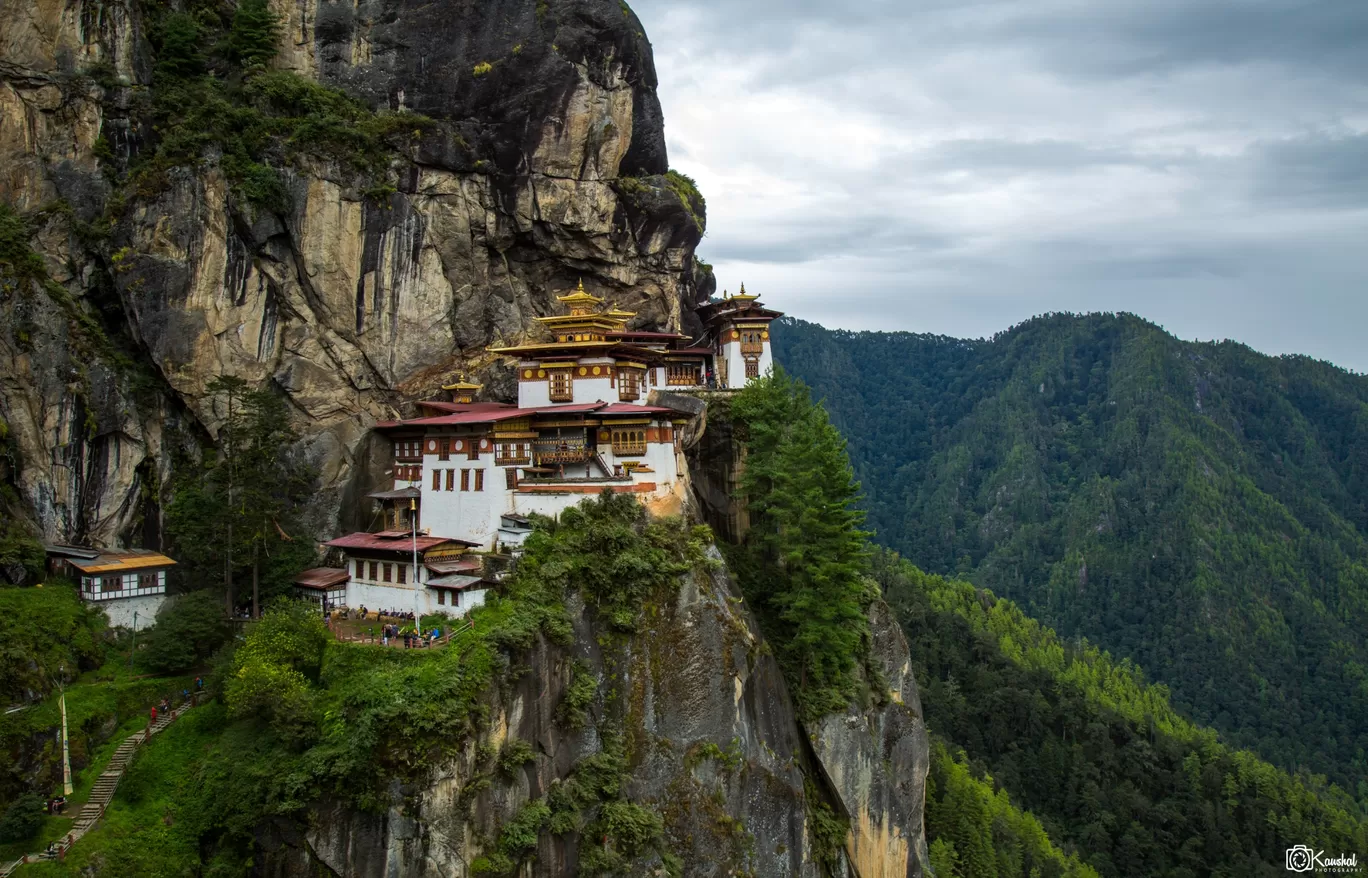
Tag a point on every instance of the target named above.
point(1312, 172)
point(1203, 163)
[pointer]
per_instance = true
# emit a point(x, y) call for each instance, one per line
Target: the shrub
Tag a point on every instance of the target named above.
point(189, 629)
point(684, 186)
point(574, 707)
point(22, 819)
point(515, 754)
point(482, 68)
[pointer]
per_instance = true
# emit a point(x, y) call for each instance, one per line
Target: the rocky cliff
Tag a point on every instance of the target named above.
point(536, 159)
point(709, 740)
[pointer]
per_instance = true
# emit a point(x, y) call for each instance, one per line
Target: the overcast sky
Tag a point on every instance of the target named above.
point(955, 167)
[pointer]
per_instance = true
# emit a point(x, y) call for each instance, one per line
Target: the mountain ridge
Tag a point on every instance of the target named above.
point(1195, 507)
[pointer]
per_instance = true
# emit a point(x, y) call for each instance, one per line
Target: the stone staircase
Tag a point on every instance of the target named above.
point(102, 793)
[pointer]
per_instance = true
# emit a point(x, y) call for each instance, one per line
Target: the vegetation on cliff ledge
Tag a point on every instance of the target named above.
point(804, 561)
point(213, 98)
point(301, 717)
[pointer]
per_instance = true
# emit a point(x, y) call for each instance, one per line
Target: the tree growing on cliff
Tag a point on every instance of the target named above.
point(805, 558)
point(238, 514)
point(253, 34)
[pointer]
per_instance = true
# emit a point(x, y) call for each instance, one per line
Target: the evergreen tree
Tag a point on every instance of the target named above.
point(805, 556)
point(253, 35)
point(179, 56)
point(237, 515)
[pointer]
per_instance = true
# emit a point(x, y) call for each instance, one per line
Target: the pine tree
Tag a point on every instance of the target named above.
point(807, 557)
point(179, 55)
point(238, 513)
point(252, 37)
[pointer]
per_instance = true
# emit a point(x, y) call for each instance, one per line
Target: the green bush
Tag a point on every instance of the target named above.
point(573, 711)
point(22, 819)
point(189, 629)
point(687, 190)
point(41, 630)
point(514, 754)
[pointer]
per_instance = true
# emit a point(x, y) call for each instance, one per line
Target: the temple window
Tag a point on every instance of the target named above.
point(511, 478)
point(445, 449)
point(441, 596)
point(479, 480)
point(511, 453)
point(752, 368)
point(375, 571)
point(682, 374)
point(629, 442)
point(403, 573)
point(451, 480)
point(385, 569)
point(629, 384)
point(465, 480)
point(436, 480)
point(560, 385)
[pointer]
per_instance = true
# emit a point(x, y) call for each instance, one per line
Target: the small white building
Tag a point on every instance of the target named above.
point(325, 587)
point(396, 571)
point(129, 585)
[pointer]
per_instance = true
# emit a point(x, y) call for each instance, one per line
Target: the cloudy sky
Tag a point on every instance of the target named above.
point(956, 166)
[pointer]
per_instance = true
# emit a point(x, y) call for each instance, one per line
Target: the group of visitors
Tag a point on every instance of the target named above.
point(57, 805)
point(164, 706)
point(362, 613)
point(413, 638)
point(394, 627)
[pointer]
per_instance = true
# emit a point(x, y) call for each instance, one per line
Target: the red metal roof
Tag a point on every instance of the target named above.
point(389, 544)
point(443, 406)
point(487, 417)
point(627, 408)
point(322, 578)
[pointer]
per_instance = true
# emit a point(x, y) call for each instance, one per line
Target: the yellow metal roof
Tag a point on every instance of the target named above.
point(116, 562)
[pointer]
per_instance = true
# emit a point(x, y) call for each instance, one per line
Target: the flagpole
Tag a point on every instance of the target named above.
point(417, 609)
point(66, 750)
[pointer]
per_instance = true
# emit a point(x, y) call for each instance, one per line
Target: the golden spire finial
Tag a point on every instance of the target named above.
point(743, 289)
point(581, 285)
point(725, 294)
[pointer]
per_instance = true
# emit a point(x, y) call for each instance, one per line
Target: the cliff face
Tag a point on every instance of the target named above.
point(712, 743)
point(350, 302)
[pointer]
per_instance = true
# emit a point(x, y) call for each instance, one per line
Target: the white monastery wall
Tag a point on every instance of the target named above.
point(120, 610)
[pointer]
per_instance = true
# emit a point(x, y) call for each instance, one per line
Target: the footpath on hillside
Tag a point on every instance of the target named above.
point(102, 793)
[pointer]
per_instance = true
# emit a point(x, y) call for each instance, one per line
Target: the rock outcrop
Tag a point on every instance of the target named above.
point(712, 743)
point(876, 762)
point(540, 167)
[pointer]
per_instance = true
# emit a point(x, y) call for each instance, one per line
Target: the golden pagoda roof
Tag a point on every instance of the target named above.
point(580, 302)
point(462, 385)
point(744, 296)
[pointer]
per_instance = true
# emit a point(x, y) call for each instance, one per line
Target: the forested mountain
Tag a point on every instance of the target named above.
point(1099, 758)
point(1198, 508)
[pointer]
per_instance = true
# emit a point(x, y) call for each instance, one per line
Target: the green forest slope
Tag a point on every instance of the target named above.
point(1100, 759)
point(1199, 509)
